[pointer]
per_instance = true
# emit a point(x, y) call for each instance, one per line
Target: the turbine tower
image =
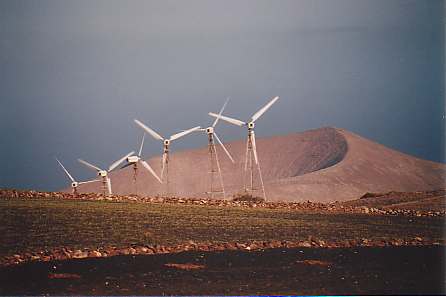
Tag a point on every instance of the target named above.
point(214, 164)
point(74, 183)
point(134, 160)
point(166, 150)
point(106, 182)
point(251, 149)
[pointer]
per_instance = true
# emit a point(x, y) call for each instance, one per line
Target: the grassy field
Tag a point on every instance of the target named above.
point(30, 225)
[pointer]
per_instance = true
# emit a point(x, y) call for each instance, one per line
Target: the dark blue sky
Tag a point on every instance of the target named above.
point(74, 74)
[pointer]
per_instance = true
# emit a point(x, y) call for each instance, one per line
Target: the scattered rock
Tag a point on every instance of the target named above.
point(78, 254)
point(94, 254)
point(142, 250)
point(239, 201)
point(63, 276)
point(321, 243)
point(186, 266)
point(61, 254)
point(305, 244)
point(314, 262)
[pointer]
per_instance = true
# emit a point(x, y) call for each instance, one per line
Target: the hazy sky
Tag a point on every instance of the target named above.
point(74, 74)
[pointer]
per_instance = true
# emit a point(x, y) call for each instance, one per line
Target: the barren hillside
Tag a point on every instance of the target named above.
point(325, 164)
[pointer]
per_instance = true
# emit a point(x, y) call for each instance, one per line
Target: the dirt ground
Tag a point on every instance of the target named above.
point(386, 254)
point(30, 226)
point(305, 271)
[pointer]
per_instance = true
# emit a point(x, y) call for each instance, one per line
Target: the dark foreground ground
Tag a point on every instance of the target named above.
point(365, 270)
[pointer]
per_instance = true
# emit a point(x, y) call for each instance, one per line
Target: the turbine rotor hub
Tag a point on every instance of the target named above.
point(74, 184)
point(102, 173)
point(251, 125)
point(210, 130)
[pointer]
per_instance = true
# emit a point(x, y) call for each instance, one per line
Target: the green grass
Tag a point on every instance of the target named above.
point(30, 225)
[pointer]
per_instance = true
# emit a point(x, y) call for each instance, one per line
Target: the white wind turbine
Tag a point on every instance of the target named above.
point(74, 183)
point(213, 157)
point(251, 149)
point(106, 183)
point(135, 159)
point(166, 145)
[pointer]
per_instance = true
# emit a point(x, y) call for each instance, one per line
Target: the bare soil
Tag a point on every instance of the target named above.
point(303, 271)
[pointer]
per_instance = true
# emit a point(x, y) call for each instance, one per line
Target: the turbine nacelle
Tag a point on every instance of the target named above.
point(210, 130)
point(133, 159)
point(166, 142)
point(102, 173)
point(250, 125)
point(74, 184)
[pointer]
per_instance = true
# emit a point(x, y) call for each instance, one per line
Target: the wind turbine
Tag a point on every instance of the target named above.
point(166, 145)
point(74, 183)
point(251, 149)
point(106, 183)
point(135, 159)
point(213, 157)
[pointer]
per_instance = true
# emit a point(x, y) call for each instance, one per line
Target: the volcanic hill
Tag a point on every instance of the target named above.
point(326, 164)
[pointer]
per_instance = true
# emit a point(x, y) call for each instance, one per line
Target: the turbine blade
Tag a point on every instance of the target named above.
point(221, 111)
point(163, 161)
point(224, 148)
point(109, 186)
point(263, 109)
point(89, 165)
point(254, 147)
point(142, 144)
point(116, 163)
point(125, 166)
point(228, 119)
point(88, 181)
point(184, 133)
point(147, 166)
point(66, 171)
point(150, 131)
